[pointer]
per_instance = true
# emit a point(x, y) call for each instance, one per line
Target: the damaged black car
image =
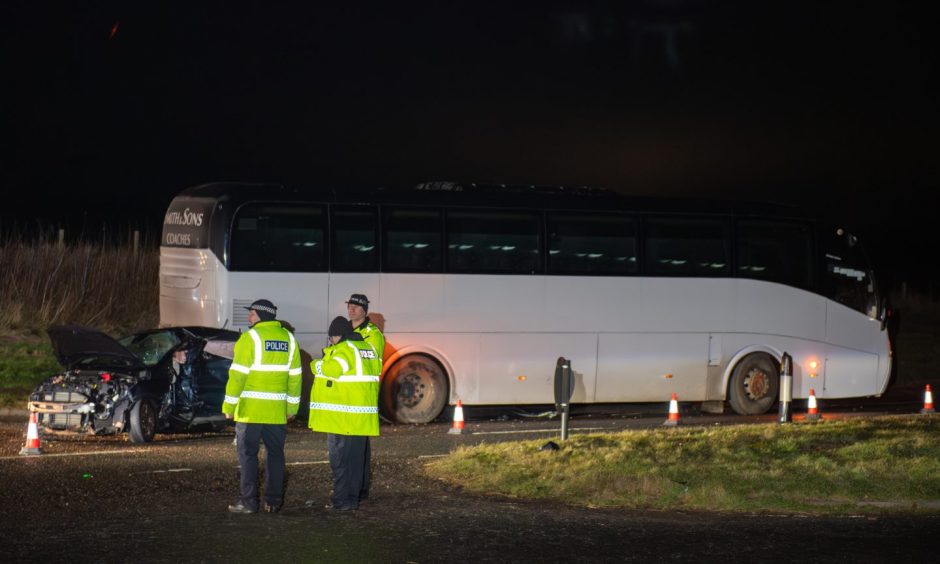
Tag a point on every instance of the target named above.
point(165, 380)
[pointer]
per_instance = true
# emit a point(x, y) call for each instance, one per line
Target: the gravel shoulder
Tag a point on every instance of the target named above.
point(165, 501)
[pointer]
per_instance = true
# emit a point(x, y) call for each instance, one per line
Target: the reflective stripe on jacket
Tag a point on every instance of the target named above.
point(345, 394)
point(264, 381)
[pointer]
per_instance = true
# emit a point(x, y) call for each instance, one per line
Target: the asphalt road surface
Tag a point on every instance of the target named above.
point(103, 499)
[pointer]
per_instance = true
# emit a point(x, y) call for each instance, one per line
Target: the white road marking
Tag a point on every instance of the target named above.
point(163, 471)
point(89, 453)
point(431, 455)
point(305, 463)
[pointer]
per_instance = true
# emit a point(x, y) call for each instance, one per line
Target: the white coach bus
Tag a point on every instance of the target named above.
point(479, 290)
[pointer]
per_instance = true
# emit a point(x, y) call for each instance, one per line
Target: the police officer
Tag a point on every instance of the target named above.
point(344, 404)
point(358, 308)
point(262, 395)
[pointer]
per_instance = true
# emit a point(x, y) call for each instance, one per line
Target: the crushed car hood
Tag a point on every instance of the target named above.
point(73, 343)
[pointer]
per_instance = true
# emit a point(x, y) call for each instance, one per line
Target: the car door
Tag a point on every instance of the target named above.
point(211, 374)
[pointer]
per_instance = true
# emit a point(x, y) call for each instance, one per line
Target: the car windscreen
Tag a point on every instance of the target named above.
point(151, 347)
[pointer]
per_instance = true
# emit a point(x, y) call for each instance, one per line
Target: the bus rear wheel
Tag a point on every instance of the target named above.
point(754, 385)
point(414, 390)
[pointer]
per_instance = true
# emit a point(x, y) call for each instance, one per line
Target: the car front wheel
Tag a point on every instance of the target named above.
point(143, 424)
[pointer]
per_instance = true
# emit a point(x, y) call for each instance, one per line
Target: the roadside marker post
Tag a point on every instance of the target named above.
point(786, 388)
point(564, 388)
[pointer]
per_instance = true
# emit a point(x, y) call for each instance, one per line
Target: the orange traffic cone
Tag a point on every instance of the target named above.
point(673, 419)
point(812, 412)
point(32, 437)
point(928, 401)
point(457, 428)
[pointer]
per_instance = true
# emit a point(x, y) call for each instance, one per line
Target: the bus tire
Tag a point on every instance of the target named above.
point(414, 390)
point(754, 384)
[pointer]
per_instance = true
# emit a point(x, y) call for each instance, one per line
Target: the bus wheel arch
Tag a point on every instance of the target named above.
point(415, 387)
point(754, 383)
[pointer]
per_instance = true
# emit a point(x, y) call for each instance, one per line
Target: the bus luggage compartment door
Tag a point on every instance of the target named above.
point(647, 367)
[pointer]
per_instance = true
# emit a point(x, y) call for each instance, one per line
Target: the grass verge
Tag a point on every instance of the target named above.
point(886, 464)
point(24, 363)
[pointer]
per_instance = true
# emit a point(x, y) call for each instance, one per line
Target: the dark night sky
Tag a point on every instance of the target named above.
point(822, 104)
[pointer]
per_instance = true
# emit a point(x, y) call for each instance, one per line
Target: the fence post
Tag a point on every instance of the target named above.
point(61, 240)
point(136, 240)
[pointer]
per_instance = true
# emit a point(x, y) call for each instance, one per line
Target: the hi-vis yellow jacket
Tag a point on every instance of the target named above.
point(345, 394)
point(371, 334)
point(264, 381)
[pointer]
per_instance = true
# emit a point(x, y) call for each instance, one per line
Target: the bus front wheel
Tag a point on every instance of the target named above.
point(754, 385)
point(414, 390)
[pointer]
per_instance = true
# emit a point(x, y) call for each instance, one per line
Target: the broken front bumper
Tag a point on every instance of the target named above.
point(61, 402)
point(63, 410)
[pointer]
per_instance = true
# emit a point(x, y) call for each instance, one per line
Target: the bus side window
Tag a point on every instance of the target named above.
point(355, 248)
point(276, 238)
point(493, 242)
point(591, 244)
point(776, 251)
point(848, 275)
point(411, 240)
point(686, 247)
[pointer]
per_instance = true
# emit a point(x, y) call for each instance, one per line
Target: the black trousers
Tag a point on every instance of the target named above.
point(249, 437)
point(347, 460)
point(366, 472)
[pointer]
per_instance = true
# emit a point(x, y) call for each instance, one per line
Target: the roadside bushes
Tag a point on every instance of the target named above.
point(110, 287)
